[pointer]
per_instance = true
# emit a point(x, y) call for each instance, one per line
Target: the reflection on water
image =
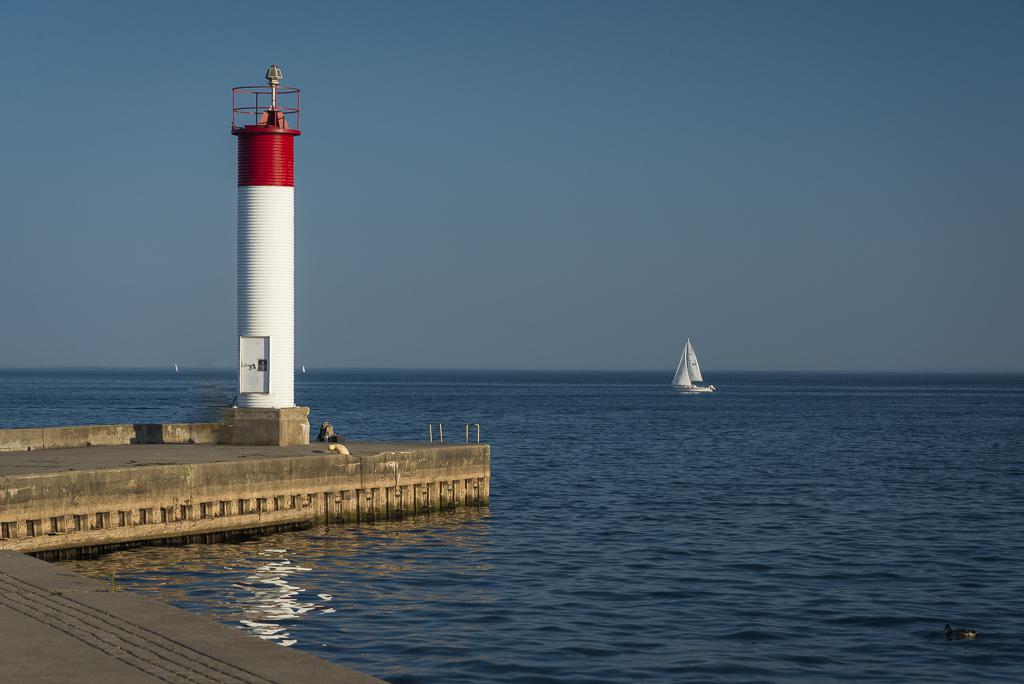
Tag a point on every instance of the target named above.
point(274, 598)
point(272, 585)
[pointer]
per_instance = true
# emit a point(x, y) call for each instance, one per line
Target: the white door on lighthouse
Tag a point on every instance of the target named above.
point(254, 365)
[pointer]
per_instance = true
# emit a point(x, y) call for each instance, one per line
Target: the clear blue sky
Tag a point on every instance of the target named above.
point(794, 185)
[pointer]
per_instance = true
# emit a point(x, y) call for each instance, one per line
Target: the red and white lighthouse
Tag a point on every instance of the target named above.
point(265, 119)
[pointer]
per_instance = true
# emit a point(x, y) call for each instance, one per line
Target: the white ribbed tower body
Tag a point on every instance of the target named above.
point(266, 286)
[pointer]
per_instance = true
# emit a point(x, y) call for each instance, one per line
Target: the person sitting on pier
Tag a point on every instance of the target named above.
point(326, 432)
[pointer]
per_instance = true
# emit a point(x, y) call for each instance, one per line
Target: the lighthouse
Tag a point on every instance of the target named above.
point(265, 121)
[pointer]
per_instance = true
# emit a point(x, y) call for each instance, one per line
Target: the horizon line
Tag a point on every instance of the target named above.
point(525, 370)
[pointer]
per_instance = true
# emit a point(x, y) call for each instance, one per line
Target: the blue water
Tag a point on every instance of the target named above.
point(791, 527)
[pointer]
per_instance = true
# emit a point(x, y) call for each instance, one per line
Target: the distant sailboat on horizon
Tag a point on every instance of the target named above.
point(303, 368)
point(176, 368)
point(688, 372)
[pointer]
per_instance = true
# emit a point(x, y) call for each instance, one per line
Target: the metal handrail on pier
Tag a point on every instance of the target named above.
point(440, 432)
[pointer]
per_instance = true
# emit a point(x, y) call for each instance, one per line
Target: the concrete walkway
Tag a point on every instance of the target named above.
point(128, 456)
point(57, 626)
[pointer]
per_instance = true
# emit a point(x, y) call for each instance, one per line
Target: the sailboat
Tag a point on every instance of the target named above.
point(688, 372)
point(176, 368)
point(303, 368)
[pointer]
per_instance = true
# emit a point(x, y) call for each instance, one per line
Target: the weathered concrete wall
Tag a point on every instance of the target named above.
point(58, 514)
point(265, 426)
point(21, 439)
point(28, 439)
point(278, 427)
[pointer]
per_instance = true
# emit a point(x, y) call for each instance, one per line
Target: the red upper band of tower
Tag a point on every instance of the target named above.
point(266, 148)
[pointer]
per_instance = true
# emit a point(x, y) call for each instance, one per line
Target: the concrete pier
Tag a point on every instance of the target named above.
point(159, 485)
point(57, 626)
point(65, 503)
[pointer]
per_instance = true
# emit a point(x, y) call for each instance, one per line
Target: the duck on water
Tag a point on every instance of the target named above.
point(960, 633)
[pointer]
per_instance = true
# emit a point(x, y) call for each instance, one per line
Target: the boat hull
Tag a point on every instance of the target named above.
point(695, 389)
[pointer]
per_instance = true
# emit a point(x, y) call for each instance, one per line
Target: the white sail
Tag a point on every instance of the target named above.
point(691, 363)
point(682, 377)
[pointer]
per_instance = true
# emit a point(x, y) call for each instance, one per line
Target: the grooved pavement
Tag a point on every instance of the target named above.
point(56, 625)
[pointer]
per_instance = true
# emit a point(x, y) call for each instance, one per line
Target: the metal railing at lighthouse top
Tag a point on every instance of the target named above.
point(250, 104)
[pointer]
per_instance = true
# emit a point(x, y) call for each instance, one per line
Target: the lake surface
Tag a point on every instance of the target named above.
point(790, 527)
